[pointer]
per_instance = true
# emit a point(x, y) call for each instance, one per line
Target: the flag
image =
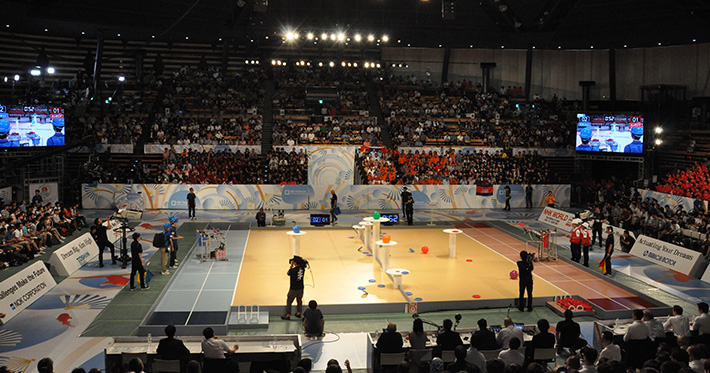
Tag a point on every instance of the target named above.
point(484, 190)
point(602, 265)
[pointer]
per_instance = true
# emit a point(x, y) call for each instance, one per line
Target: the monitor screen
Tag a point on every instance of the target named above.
point(495, 328)
point(31, 126)
point(610, 133)
point(520, 326)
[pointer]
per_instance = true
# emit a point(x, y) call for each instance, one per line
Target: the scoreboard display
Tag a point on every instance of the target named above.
point(31, 126)
point(394, 219)
point(320, 219)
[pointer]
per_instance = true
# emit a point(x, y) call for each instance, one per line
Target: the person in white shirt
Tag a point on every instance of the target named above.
point(610, 351)
point(702, 322)
point(637, 330)
point(509, 331)
point(588, 356)
point(213, 347)
point(679, 323)
point(512, 354)
point(655, 327)
point(475, 357)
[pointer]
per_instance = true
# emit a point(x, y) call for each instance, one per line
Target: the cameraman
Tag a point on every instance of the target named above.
point(295, 291)
point(525, 279)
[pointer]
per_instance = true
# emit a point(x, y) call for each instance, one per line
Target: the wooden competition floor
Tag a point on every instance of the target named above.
point(338, 269)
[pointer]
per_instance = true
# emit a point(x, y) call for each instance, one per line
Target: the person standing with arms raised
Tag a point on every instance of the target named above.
point(525, 280)
point(295, 273)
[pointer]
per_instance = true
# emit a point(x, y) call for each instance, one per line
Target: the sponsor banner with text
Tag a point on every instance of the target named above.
point(70, 257)
point(557, 218)
point(668, 255)
point(24, 288)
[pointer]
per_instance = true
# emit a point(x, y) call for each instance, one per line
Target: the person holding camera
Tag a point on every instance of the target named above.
point(525, 280)
point(295, 291)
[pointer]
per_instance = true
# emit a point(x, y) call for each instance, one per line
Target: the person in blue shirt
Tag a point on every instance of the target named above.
point(4, 132)
point(586, 135)
point(175, 237)
point(58, 138)
point(636, 145)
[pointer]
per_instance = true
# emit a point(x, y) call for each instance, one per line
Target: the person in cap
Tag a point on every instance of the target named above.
point(4, 132)
point(295, 273)
point(175, 237)
point(575, 239)
point(408, 205)
point(586, 136)
point(586, 242)
point(167, 248)
point(137, 265)
point(58, 138)
point(636, 146)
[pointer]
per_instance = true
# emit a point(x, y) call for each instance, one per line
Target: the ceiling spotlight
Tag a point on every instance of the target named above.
point(253, 62)
point(119, 35)
point(659, 130)
point(370, 37)
point(324, 36)
point(320, 64)
point(367, 65)
point(385, 38)
point(309, 36)
point(625, 45)
point(246, 62)
point(273, 62)
point(659, 43)
point(358, 38)
point(354, 64)
point(46, 30)
point(83, 33)
point(50, 70)
point(303, 63)
point(278, 62)
point(5, 79)
point(591, 47)
point(35, 72)
point(342, 64)
point(694, 40)
point(289, 35)
point(220, 39)
point(121, 78)
point(153, 37)
point(378, 65)
point(331, 64)
point(659, 141)
point(187, 38)
point(17, 77)
point(333, 37)
point(341, 36)
point(295, 35)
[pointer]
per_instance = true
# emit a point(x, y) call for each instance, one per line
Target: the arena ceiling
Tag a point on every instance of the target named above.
point(429, 23)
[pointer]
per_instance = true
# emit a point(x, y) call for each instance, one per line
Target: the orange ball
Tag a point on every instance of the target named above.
point(386, 238)
point(425, 249)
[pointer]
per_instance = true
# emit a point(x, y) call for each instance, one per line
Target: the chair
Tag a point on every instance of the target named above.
point(447, 356)
point(167, 366)
point(214, 365)
point(419, 356)
point(545, 356)
point(491, 354)
point(391, 358)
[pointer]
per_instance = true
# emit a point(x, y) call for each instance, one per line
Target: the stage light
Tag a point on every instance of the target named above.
point(289, 35)
point(320, 64)
point(354, 64)
point(17, 77)
point(358, 38)
point(46, 30)
point(278, 62)
point(253, 62)
point(378, 65)
point(246, 62)
point(659, 141)
point(83, 33)
point(659, 130)
point(367, 65)
point(400, 65)
point(35, 72)
point(303, 63)
point(591, 47)
point(5, 79)
point(694, 40)
point(394, 65)
point(370, 37)
point(625, 45)
point(342, 64)
point(331, 64)
point(324, 36)
point(309, 36)
point(385, 38)
point(659, 43)
point(119, 35)
point(333, 37)
point(273, 62)
point(152, 36)
point(308, 63)
point(350, 64)
point(50, 70)
point(296, 36)
point(121, 78)
point(341, 36)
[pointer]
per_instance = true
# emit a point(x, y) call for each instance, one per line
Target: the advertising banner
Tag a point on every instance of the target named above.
point(668, 255)
point(48, 191)
point(557, 218)
point(70, 257)
point(24, 288)
point(313, 197)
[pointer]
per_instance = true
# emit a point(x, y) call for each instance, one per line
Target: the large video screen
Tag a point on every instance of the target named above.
point(612, 133)
point(31, 126)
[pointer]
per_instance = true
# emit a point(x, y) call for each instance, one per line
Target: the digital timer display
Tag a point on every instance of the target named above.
point(320, 219)
point(394, 218)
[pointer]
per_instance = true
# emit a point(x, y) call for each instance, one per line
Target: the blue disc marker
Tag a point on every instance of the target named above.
point(361, 288)
point(418, 299)
point(408, 293)
point(372, 280)
point(381, 285)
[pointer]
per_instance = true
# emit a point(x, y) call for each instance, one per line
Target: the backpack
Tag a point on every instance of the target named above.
point(159, 240)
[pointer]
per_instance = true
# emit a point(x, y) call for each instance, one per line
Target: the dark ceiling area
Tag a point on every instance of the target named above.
point(548, 24)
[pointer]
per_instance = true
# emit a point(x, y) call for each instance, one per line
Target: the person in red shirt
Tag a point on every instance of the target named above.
point(575, 240)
